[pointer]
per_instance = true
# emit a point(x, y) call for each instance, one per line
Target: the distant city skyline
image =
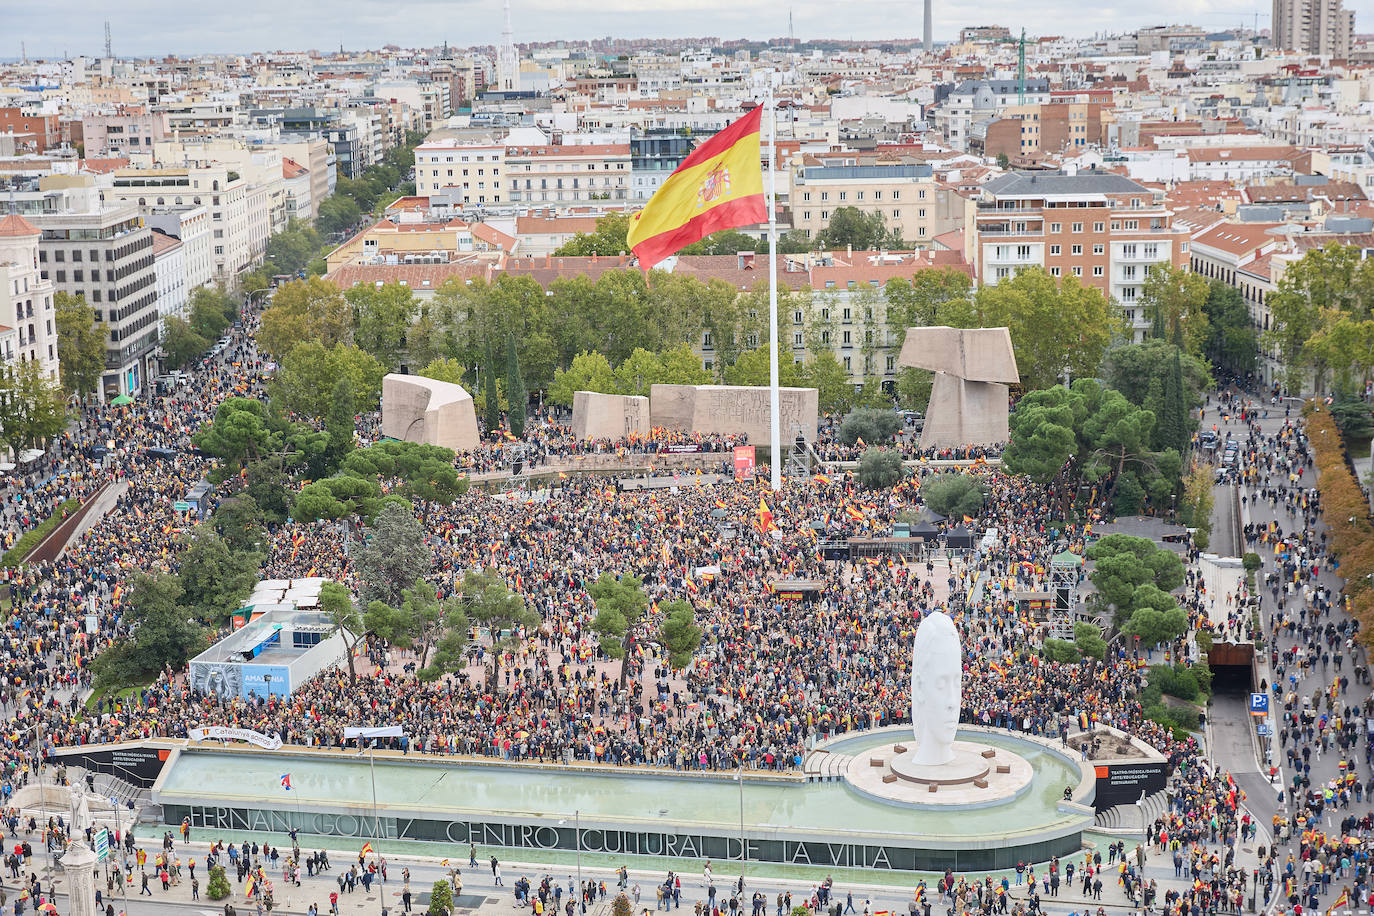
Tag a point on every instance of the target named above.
point(144, 28)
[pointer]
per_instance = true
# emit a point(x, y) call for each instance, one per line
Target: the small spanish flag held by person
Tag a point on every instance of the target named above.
point(968, 519)
point(719, 186)
point(367, 849)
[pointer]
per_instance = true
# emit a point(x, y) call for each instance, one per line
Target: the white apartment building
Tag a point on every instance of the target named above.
point(237, 235)
point(26, 308)
point(169, 266)
point(568, 174)
point(472, 171)
point(192, 228)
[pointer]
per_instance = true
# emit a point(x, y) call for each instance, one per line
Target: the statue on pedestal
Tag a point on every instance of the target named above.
point(936, 689)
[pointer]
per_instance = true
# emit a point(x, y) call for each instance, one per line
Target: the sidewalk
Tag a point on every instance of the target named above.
point(480, 894)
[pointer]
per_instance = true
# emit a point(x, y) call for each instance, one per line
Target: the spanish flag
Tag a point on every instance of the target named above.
point(719, 186)
point(367, 849)
point(765, 516)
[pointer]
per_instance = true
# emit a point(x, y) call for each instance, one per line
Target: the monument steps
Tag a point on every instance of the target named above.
point(1126, 819)
point(825, 766)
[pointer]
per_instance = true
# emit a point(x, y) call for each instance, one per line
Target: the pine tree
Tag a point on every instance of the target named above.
point(218, 888)
point(489, 385)
point(1155, 403)
point(516, 396)
point(1166, 432)
point(1157, 329)
point(1177, 405)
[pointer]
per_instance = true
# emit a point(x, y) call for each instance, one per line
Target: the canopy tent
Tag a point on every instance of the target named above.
point(959, 538)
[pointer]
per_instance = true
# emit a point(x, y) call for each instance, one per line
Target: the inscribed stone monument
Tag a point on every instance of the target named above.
point(419, 409)
point(609, 416)
point(734, 410)
point(968, 400)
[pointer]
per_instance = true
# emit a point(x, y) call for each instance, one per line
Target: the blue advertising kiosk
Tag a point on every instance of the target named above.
point(279, 649)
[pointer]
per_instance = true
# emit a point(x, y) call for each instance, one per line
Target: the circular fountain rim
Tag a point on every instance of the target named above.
point(1080, 800)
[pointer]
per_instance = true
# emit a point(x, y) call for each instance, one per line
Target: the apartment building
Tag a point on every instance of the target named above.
point(654, 155)
point(1027, 132)
point(1241, 256)
point(1320, 27)
point(1101, 227)
point(410, 238)
point(106, 255)
point(237, 234)
point(977, 100)
point(34, 133)
point(169, 267)
point(28, 328)
point(912, 203)
point(1240, 163)
point(470, 172)
point(568, 175)
point(127, 131)
point(190, 226)
point(317, 158)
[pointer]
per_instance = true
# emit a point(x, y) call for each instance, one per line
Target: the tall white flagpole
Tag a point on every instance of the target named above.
point(774, 410)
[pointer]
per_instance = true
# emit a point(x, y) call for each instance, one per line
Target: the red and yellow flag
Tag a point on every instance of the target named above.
point(765, 517)
point(719, 186)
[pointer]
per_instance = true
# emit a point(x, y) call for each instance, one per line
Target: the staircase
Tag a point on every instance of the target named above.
point(824, 766)
point(1126, 819)
point(108, 786)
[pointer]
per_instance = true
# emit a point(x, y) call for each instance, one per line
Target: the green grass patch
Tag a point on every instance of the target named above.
point(117, 693)
point(30, 539)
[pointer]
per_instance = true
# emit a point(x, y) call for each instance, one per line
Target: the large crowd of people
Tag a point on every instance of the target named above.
point(773, 674)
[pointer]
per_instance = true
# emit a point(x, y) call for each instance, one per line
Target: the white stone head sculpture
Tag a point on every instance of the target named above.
point(936, 686)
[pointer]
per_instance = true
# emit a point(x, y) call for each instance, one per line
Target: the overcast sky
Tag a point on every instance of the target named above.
point(156, 27)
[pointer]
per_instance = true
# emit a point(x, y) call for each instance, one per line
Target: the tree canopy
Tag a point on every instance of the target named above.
point(80, 344)
point(1321, 318)
point(1057, 327)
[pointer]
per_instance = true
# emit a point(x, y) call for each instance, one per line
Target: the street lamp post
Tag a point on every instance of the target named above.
point(743, 848)
point(577, 843)
point(248, 299)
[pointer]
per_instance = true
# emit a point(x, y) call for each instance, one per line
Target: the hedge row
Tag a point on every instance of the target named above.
point(31, 538)
point(1346, 512)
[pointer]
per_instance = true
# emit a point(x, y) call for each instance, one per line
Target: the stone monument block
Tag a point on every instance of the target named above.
point(609, 416)
point(965, 413)
point(734, 410)
point(419, 409)
point(968, 400)
point(973, 354)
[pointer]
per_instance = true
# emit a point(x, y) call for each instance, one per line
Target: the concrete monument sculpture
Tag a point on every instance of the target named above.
point(936, 689)
point(734, 410)
point(419, 409)
point(609, 416)
point(972, 366)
